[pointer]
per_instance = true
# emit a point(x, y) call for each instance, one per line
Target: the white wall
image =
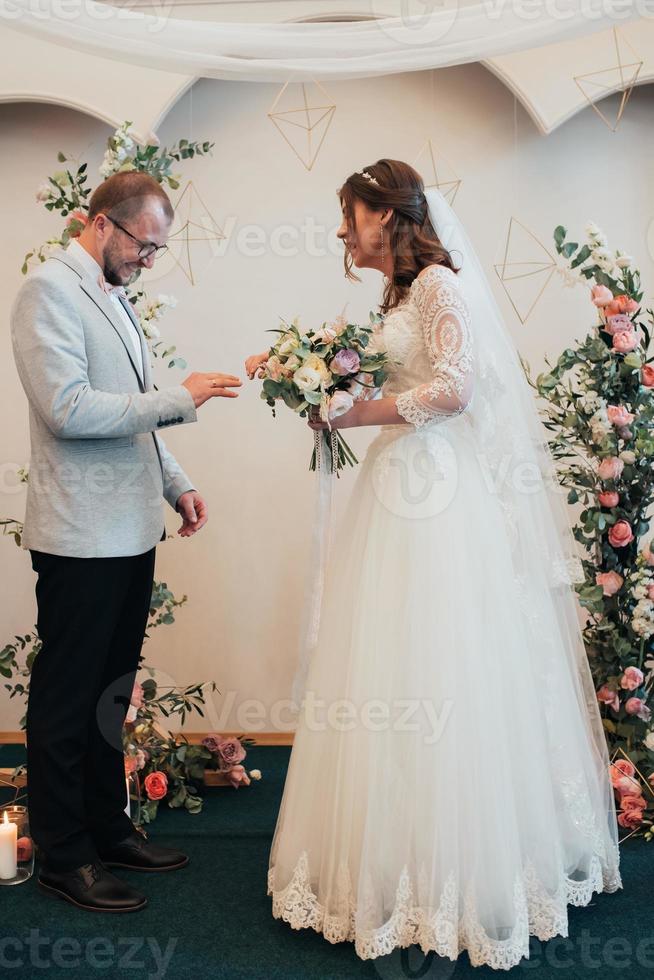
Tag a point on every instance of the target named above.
point(244, 573)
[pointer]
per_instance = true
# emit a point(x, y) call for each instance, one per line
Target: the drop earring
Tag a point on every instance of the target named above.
point(381, 231)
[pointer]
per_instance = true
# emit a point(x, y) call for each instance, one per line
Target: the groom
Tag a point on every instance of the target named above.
point(99, 472)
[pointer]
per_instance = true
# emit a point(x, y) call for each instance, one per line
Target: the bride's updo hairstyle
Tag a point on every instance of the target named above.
point(411, 237)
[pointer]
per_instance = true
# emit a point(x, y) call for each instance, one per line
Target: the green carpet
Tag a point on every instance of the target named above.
point(212, 920)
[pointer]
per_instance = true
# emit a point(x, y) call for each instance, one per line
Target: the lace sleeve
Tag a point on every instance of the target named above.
point(446, 330)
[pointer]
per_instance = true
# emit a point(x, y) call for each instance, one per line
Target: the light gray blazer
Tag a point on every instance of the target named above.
point(99, 471)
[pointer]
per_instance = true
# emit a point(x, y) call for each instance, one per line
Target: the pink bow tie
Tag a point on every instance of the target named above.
point(107, 288)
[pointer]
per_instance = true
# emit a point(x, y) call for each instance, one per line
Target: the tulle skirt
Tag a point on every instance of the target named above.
point(444, 787)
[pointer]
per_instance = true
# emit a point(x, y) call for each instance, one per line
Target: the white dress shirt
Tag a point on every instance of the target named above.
point(91, 266)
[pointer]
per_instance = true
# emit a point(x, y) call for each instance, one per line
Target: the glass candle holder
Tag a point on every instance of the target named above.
point(16, 846)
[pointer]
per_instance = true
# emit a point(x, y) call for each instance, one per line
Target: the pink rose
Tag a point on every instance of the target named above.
point(609, 498)
point(137, 695)
point(630, 819)
point(618, 415)
point(156, 785)
point(623, 767)
point(620, 535)
point(650, 591)
point(75, 223)
point(601, 295)
point(636, 706)
point(626, 785)
point(631, 679)
point(618, 322)
point(131, 764)
point(625, 341)
point(608, 697)
point(647, 376)
point(212, 742)
point(230, 752)
point(24, 849)
point(610, 468)
point(238, 777)
point(611, 582)
point(347, 361)
point(621, 304)
point(633, 801)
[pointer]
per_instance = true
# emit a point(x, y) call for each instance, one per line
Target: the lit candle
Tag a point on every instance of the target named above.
point(8, 848)
point(128, 807)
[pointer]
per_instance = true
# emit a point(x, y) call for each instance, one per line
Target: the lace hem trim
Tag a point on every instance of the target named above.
point(444, 930)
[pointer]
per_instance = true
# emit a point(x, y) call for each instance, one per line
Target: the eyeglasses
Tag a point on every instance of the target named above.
point(146, 249)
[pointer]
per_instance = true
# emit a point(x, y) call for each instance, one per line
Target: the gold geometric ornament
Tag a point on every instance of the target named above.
point(305, 125)
point(447, 187)
point(520, 240)
point(595, 85)
point(193, 223)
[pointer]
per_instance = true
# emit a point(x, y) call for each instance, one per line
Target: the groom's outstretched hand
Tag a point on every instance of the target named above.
point(194, 513)
point(205, 385)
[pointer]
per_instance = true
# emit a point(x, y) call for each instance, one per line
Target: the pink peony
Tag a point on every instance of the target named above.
point(625, 341)
point(156, 785)
point(611, 582)
point(631, 679)
point(647, 376)
point(636, 706)
point(618, 322)
point(608, 697)
point(618, 415)
point(609, 498)
point(620, 535)
point(610, 468)
point(601, 295)
point(648, 556)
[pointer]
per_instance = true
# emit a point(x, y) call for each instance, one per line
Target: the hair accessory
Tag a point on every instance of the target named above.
point(364, 173)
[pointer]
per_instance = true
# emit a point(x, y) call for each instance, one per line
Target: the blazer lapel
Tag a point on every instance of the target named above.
point(145, 350)
point(104, 304)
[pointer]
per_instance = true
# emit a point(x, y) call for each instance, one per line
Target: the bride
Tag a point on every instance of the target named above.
point(448, 784)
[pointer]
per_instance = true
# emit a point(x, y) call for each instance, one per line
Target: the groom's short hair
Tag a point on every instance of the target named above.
point(123, 195)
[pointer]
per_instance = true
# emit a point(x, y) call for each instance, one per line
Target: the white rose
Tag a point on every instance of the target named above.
point(649, 741)
point(624, 261)
point(255, 773)
point(307, 379)
point(340, 403)
point(43, 193)
point(165, 300)
point(628, 457)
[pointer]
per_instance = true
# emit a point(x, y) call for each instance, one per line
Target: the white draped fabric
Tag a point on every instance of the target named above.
point(456, 33)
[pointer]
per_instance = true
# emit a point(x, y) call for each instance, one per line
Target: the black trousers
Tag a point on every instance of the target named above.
point(92, 615)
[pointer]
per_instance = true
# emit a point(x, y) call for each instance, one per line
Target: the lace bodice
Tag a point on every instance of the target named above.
point(429, 339)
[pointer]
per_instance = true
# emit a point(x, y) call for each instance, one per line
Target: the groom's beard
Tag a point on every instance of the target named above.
point(111, 264)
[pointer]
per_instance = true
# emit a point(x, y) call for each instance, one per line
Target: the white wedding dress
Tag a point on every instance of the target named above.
point(444, 788)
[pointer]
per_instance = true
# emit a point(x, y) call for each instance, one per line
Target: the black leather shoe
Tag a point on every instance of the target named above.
point(91, 887)
point(139, 854)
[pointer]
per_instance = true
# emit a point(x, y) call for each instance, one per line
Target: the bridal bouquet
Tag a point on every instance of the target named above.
point(325, 370)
